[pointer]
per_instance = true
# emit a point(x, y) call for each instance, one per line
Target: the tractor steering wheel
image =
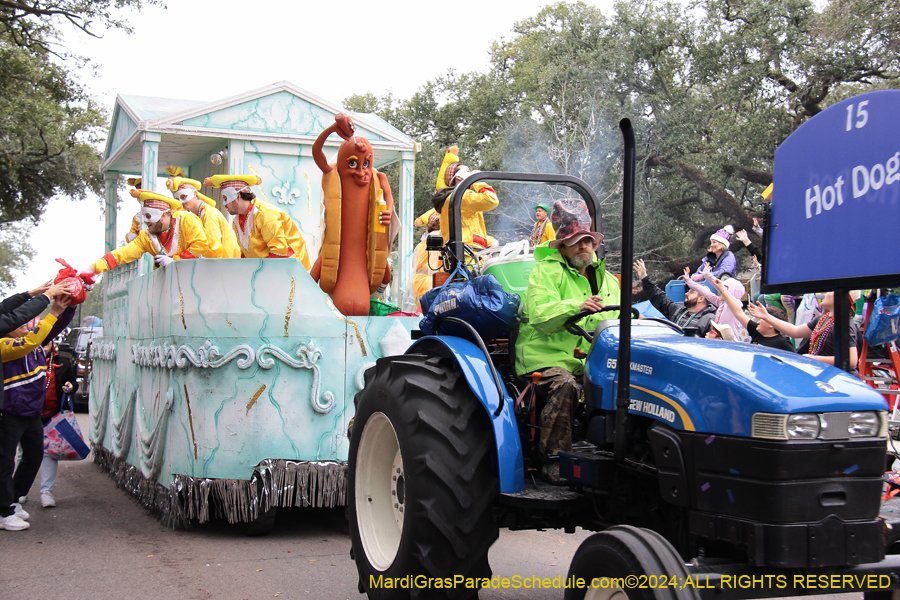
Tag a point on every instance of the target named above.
point(572, 327)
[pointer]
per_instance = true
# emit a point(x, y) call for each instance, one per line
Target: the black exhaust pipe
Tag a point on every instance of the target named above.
point(624, 361)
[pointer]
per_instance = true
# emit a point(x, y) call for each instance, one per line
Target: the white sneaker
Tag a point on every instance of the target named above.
point(13, 523)
point(20, 512)
point(47, 500)
point(23, 499)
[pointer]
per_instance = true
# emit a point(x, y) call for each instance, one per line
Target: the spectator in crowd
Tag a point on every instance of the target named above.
point(61, 381)
point(724, 315)
point(25, 377)
point(720, 331)
point(752, 248)
point(719, 256)
point(20, 308)
point(761, 332)
point(569, 278)
point(542, 231)
point(819, 332)
point(694, 312)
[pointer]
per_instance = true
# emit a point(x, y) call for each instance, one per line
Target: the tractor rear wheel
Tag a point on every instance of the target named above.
point(422, 482)
point(628, 563)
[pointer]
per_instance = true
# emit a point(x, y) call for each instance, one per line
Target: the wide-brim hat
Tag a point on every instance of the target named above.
point(153, 200)
point(723, 329)
point(217, 181)
point(572, 222)
point(176, 183)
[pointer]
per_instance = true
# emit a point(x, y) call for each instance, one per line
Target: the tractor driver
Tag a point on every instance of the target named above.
point(570, 277)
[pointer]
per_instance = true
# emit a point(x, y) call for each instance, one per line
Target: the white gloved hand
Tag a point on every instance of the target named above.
point(162, 260)
point(129, 237)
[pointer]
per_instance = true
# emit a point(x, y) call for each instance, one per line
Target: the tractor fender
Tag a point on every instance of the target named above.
point(477, 370)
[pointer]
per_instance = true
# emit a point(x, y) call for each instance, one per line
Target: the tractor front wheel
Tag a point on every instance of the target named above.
point(422, 481)
point(628, 563)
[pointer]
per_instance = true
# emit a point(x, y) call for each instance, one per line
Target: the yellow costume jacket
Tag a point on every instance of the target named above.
point(219, 235)
point(475, 201)
point(186, 240)
point(135, 227)
point(268, 232)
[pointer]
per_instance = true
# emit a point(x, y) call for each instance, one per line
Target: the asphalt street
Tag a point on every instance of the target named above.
point(99, 544)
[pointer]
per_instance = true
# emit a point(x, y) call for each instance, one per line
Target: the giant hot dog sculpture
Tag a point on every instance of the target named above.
point(352, 263)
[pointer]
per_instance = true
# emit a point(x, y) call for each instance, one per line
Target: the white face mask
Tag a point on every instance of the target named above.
point(185, 194)
point(230, 194)
point(151, 215)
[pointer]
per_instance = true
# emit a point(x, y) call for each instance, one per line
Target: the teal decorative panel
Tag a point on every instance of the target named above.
point(122, 130)
point(281, 112)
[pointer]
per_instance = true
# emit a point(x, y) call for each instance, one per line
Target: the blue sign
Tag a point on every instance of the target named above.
point(836, 198)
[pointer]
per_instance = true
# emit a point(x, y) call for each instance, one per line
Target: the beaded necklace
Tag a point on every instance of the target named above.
point(537, 232)
point(820, 334)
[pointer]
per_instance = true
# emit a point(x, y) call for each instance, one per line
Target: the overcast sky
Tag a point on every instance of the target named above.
point(201, 50)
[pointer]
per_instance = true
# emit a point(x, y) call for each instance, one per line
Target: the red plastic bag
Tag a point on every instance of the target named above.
point(68, 272)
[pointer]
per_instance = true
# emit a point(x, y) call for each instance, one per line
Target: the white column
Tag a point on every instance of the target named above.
point(406, 214)
point(149, 171)
point(110, 197)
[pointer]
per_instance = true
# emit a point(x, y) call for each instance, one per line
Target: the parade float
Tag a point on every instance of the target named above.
point(224, 387)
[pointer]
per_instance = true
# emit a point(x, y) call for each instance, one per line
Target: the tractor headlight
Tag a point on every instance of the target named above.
point(863, 424)
point(802, 427)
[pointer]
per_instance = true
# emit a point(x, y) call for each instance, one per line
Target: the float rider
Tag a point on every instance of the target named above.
point(219, 234)
point(136, 220)
point(570, 277)
point(262, 230)
point(478, 199)
point(171, 234)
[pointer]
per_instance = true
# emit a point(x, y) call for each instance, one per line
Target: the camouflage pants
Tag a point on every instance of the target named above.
point(563, 393)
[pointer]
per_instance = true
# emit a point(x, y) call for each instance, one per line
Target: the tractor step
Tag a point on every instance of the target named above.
point(543, 496)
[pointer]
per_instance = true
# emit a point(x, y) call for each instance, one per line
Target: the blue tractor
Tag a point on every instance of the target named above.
point(693, 457)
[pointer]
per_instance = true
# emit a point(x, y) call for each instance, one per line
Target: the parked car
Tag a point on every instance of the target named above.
point(79, 339)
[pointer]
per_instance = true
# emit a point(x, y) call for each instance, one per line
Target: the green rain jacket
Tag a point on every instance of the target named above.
point(555, 292)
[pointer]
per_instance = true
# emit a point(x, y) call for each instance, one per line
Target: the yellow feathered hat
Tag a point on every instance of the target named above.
point(452, 157)
point(232, 185)
point(154, 200)
point(177, 183)
point(218, 181)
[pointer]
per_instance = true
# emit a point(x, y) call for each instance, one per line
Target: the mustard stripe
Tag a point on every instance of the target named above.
point(24, 375)
point(685, 419)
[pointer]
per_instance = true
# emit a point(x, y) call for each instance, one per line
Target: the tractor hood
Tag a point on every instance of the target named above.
point(696, 384)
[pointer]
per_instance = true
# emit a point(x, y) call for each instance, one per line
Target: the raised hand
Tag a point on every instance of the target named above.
point(640, 268)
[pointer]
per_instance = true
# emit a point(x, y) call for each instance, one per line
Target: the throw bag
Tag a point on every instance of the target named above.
point(67, 272)
point(481, 302)
point(884, 326)
point(62, 436)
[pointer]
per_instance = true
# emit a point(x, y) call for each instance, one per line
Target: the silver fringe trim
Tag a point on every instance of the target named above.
point(274, 483)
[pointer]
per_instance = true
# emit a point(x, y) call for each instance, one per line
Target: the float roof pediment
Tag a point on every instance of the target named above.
point(281, 112)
